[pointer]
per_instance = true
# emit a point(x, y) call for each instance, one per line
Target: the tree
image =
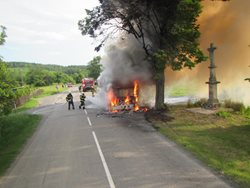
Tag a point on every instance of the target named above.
point(6, 83)
point(166, 29)
point(2, 37)
point(66, 78)
point(78, 77)
point(7, 94)
point(2, 34)
point(38, 77)
point(94, 67)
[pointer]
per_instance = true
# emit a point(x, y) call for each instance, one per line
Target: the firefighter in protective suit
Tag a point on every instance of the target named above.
point(82, 101)
point(70, 101)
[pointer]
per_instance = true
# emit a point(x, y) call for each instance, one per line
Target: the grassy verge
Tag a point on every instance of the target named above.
point(223, 142)
point(15, 129)
point(51, 90)
point(33, 102)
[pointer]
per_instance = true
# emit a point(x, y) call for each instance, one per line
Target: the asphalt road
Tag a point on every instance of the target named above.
point(93, 149)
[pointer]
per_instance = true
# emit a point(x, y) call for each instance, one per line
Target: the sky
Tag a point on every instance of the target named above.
point(46, 31)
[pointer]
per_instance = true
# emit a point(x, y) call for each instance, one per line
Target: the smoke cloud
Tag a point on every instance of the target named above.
point(124, 61)
point(227, 25)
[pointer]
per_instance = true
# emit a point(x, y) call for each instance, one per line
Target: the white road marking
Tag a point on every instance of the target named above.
point(85, 111)
point(110, 180)
point(89, 121)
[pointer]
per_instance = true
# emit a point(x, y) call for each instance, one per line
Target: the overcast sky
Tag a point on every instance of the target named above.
point(46, 31)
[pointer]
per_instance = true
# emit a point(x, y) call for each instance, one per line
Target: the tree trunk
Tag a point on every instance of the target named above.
point(159, 96)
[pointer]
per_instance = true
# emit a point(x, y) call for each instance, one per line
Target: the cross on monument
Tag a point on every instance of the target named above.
point(212, 83)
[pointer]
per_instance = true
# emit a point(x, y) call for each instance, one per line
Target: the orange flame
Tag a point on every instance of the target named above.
point(127, 100)
point(112, 99)
point(117, 103)
point(136, 107)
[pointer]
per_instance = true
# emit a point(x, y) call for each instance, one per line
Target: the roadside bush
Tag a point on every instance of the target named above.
point(236, 106)
point(246, 112)
point(6, 107)
point(21, 91)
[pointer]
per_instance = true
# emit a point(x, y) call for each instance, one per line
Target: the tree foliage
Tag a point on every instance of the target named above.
point(94, 67)
point(6, 83)
point(2, 37)
point(61, 74)
point(166, 29)
point(158, 25)
point(6, 90)
point(42, 77)
point(2, 34)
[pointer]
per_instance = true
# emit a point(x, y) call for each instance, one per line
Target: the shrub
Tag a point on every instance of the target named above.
point(236, 106)
point(246, 112)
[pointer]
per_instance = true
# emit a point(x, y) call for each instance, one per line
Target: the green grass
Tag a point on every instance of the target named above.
point(181, 89)
point(15, 129)
point(33, 102)
point(223, 114)
point(175, 92)
point(222, 141)
point(51, 90)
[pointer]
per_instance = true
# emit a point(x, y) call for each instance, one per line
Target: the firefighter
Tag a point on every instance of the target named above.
point(70, 101)
point(82, 101)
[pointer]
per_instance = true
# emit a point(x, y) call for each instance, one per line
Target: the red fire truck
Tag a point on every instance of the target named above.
point(88, 84)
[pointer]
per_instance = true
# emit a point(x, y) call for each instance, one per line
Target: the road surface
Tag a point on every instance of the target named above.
point(91, 149)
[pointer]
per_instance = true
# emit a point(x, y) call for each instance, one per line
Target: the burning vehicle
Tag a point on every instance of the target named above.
point(124, 97)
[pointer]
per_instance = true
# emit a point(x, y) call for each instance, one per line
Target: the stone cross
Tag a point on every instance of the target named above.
point(212, 83)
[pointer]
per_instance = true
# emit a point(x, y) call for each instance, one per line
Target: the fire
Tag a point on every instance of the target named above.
point(136, 107)
point(127, 100)
point(124, 98)
point(112, 98)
